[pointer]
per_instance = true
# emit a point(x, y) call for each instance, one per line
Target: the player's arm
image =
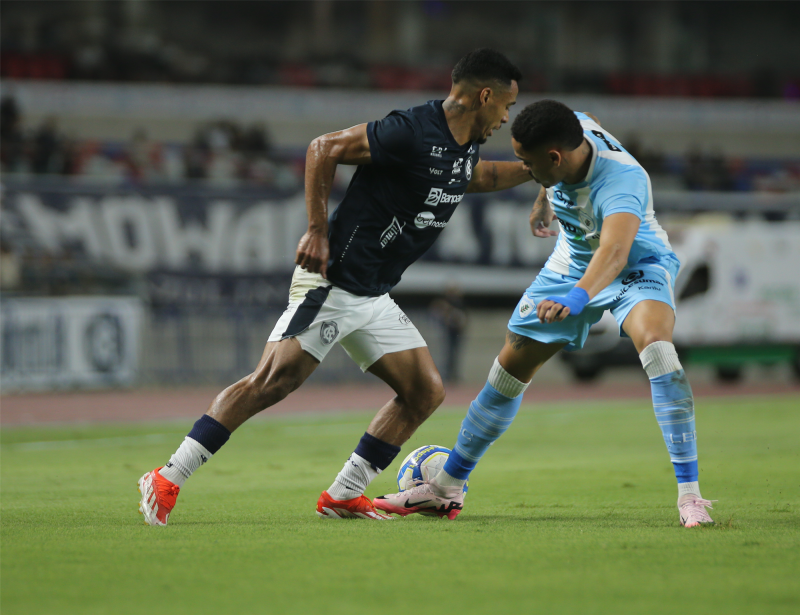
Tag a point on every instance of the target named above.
point(490, 176)
point(616, 239)
point(541, 216)
point(323, 156)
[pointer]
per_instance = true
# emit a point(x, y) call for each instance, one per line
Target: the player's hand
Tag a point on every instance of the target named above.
point(550, 311)
point(556, 309)
point(312, 253)
point(541, 217)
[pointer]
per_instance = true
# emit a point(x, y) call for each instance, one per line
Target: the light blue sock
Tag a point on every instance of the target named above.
point(489, 416)
point(674, 407)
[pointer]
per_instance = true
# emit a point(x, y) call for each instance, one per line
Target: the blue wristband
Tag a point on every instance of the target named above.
point(576, 299)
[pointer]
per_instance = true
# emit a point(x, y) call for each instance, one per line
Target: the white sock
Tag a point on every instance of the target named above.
point(353, 480)
point(660, 358)
point(446, 485)
point(189, 456)
point(689, 488)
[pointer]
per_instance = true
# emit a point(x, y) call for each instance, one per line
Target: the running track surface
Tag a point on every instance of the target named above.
point(152, 405)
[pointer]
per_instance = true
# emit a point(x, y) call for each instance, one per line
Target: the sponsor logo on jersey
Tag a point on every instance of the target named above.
point(435, 171)
point(436, 152)
point(328, 331)
point(437, 195)
point(525, 307)
point(564, 198)
point(427, 219)
point(392, 232)
point(457, 166)
point(469, 167)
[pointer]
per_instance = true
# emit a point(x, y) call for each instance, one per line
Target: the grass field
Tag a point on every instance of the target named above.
point(573, 511)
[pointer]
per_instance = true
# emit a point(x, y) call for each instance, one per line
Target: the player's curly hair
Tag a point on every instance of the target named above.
point(547, 122)
point(484, 65)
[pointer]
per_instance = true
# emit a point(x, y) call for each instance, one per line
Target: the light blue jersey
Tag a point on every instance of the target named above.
point(615, 183)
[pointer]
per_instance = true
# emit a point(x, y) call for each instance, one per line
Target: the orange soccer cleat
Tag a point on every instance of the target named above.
point(158, 498)
point(357, 508)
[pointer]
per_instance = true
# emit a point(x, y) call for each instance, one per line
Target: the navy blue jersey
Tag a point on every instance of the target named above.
point(395, 207)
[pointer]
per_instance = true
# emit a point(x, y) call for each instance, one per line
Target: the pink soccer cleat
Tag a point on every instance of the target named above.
point(158, 498)
point(423, 499)
point(693, 510)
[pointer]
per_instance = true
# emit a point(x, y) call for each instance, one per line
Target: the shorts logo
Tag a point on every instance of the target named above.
point(328, 332)
point(404, 320)
point(525, 307)
point(632, 277)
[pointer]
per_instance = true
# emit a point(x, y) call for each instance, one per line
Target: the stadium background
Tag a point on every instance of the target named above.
point(153, 154)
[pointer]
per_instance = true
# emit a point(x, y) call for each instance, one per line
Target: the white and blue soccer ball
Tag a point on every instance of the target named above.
point(422, 464)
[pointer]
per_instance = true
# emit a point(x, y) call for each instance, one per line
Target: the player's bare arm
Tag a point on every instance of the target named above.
point(541, 216)
point(491, 176)
point(616, 239)
point(323, 156)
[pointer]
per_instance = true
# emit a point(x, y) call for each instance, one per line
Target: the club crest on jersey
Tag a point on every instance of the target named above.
point(436, 152)
point(468, 168)
point(328, 332)
point(526, 307)
point(392, 232)
point(437, 195)
point(587, 220)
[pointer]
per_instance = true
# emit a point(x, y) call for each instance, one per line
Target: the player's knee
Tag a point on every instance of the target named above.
point(424, 397)
point(651, 337)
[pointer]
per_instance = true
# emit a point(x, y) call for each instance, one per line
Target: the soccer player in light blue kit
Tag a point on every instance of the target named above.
point(611, 254)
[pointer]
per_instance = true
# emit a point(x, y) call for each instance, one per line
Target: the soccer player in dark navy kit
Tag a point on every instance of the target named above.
point(414, 168)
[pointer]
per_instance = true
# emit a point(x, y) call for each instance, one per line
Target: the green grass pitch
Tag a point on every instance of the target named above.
point(572, 511)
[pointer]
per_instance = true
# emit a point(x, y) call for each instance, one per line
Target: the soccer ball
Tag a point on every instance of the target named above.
point(422, 465)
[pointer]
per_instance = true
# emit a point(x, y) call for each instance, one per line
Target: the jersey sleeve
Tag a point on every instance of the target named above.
point(627, 193)
point(393, 140)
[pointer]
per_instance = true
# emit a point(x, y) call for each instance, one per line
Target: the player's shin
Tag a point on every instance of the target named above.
point(489, 416)
point(674, 408)
point(371, 457)
point(206, 438)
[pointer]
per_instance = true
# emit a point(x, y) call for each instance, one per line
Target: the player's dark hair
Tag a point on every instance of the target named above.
point(482, 65)
point(547, 122)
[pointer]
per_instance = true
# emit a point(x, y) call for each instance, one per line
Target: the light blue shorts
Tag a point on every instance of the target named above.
point(646, 281)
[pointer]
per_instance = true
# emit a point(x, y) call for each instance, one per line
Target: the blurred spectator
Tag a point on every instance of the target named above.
point(448, 311)
point(11, 138)
point(47, 149)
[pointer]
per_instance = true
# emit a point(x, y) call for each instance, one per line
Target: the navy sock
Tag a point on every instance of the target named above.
point(377, 452)
point(210, 433)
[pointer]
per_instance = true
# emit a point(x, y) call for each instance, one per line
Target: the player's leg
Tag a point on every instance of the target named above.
point(650, 324)
point(391, 348)
point(488, 418)
point(283, 367)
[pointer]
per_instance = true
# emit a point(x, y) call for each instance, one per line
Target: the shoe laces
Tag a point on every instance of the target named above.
point(697, 507)
point(420, 487)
